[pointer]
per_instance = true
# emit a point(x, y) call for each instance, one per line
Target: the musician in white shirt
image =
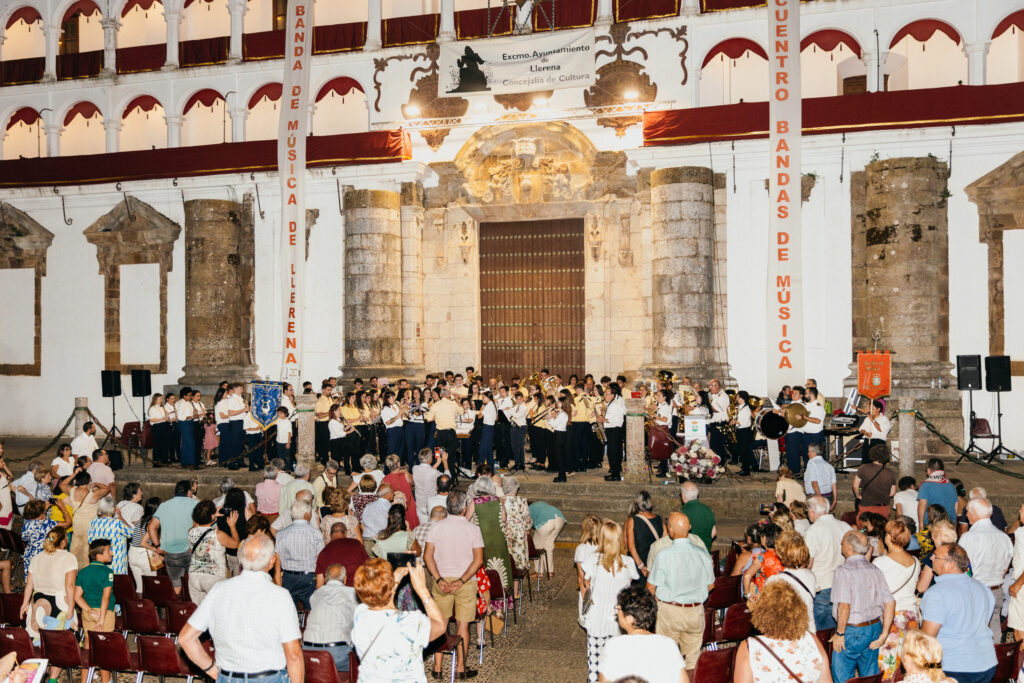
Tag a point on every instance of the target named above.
point(186, 428)
point(559, 421)
point(719, 418)
point(391, 416)
point(614, 420)
point(743, 422)
point(230, 414)
point(517, 431)
point(663, 416)
point(85, 443)
point(875, 427)
point(796, 442)
point(502, 428)
point(814, 429)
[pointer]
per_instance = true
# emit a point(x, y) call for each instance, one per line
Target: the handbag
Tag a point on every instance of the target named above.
point(156, 561)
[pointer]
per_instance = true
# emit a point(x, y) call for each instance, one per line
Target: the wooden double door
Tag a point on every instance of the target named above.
point(532, 299)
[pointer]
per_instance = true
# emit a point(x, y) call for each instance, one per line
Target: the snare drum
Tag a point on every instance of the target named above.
point(771, 425)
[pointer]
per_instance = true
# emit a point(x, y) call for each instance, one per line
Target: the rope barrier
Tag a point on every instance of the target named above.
point(54, 440)
point(960, 451)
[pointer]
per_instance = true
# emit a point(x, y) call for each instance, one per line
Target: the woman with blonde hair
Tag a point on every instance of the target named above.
point(608, 572)
point(922, 659)
point(337, 501)
point(586, 553)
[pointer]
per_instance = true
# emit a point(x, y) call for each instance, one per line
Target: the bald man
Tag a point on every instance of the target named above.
point(681, 578)
point(329, 623)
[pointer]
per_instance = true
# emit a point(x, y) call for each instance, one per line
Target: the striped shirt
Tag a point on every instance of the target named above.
point(298, 545)
point(862, 586)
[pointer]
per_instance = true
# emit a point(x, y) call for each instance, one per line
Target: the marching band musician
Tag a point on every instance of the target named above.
point(350, 453)
point(458, 389)
point(812, 383)
point(288, 401)
point(503, 428)
point(663, 410)
point(796, 443)
point(534, 407)
point(875, 427)
point(719, 418)
point(559, 452)
point(582, 429)
point(339, 445)
point(614, 420)
point(186, 428)
point(391, 417)
point(173, 437)
point(464, 424)
point(415, 430)
point(744, 433)
point(517, 432)
point(253, 432)
point(814, 429)
point(488, 417)
point(158, 425)
point(596, 446)
point(320, 433)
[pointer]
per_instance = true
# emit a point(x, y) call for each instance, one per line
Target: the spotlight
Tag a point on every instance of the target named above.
point(631, 95)
point(412, 111)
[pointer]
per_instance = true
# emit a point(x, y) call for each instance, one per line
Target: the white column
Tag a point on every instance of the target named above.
point(113, 129)
point(874, 65)
point(52, 34)
point(373, 18)
point(689, 7)
point(53, 131)
point(604, 12)
point(694, 75)
point(237, 10)
point(447, 29)
point(238, 116)
point(110, 28)
point(524, 18)
point(173, 18)
point(977, 57)
point(174, 130)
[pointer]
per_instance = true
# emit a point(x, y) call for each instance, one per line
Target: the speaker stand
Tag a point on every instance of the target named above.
point(1000, 448)
point(114, 432)
point(972, 446)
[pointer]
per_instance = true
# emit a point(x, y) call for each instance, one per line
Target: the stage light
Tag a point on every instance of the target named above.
point(412, 111)
point(540, 101)
point(631, 95)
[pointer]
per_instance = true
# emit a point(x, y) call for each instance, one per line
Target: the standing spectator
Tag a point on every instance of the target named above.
point(268, 493)
point(390, 642)
point(401, 481)
point(6, 500)
point(586, 553)
point(341, 549)
point(516, 523)
point(795, 558)
point(610, 572)
point(83, 499)
point(941, 532)
point(208, 565)
point(640, 652)
point(937, 490)
point(547, 524)
point(424, 477)
point(905, 500)
point(798, 510)
point(329, 622)
point(114, 530)
point(824, 541)
point(298, 546)
point(145, 544)
point(290, 490)
point(863, 608)
point(85, 442)
point(901, 570)
point(337, 501)
point(49, 599)
point(874, 485)
point(956, 610)
point(94, 594)
point(375, 516)
point(34, 529)
point(130, 507)
point(231, 534)
point(786, 650)
point(269, 643)
point(454, 553)
point(702, 518)
point(990, 551)
point(820, 477)
point(423, 530)
point(100, 472)
point(326, 479)
point(680, 579)
point(788, 489)
point(488, 514)
point(173, 521)
point(1015, 617)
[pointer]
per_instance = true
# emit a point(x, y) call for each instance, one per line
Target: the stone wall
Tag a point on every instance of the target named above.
point(412, 278)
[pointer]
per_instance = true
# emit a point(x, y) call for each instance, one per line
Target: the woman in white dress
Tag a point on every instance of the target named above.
point(586, 553)
point(901, 570)
point(785, 650)
point(609, 572)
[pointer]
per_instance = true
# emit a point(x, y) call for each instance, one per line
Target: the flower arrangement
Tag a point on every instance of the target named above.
point(695, 461)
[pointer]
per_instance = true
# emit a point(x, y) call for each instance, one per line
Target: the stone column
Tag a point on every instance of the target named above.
point(906, 436)
point(373, 19)
point(237, 10)
point(977, 57)
point(305, 405)
point(446, 30)
point(81, 414)
point(373, 284)
point(412, 278)
point(219, 282)
point(51, 35)
point(874, 65)
point(173, 19)
point(634, 469)
point(110, 27)
point(904, 263)
point(238, 116)
point(113, 131)
point(604, 13)
point(53, 130)
point(174, 130)
point(682, 275)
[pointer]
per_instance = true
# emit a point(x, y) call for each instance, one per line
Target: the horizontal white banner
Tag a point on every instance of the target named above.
point(494, 66)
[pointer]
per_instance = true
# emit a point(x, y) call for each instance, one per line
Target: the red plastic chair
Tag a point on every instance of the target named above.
point(10, 608)
point(522, 575)
point(726, 592)
point(16, 639)
point(736, 625)
point(498, 593)
point(537, 555)
point(178, 614)
point(730, 561)
point(877, 678)
point(108, 650)
point(141, 618)
point(825, 638)
point(61, 648)
point(716, 557)
point(981, 429)
point(1006, 655)
point(159, 589)
point(160, 657)
point(320, 667)
point(709, 627)
point(353, 666)
point(714, 666)
point(185, 595)
point(124, 588)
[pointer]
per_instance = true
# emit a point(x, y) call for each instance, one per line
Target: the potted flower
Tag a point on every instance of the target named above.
point(695, 462)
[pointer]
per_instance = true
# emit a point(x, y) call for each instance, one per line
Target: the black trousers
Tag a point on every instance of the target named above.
point(338, 449)
point(561, 452)
point(173, 442)
point(503, 443)
point(717, 442)
point(616, 449)
point(446, 439)
point(160, 442)
point(321, 438)
point(744, 444)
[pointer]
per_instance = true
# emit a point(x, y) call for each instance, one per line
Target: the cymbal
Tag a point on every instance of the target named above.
point(796, 414)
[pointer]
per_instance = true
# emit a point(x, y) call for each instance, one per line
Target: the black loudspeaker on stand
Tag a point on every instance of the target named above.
point(110, 380)
point(997, 380)
point(968, 378)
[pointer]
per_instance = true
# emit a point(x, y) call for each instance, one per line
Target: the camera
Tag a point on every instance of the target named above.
point(765, 508)
point(397, 560)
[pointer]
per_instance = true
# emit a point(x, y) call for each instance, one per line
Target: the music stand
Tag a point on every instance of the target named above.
point(972, 446)
point(999, 447)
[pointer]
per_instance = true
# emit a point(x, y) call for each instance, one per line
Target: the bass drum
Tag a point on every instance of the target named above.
point(659, 445)
point(771, 425)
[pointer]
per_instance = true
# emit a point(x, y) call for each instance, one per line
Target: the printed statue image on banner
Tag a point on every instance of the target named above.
point(266, 397)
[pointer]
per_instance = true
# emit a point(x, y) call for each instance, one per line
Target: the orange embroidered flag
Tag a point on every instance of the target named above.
point(874, 373)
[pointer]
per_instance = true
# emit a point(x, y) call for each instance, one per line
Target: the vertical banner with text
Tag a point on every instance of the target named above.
point(785, 334)
point(291, 166)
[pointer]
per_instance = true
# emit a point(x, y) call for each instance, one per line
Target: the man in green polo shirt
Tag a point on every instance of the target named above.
point(702, 519)
point(94, 591)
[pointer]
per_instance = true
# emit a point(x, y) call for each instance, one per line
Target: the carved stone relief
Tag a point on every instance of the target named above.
point(23, 244)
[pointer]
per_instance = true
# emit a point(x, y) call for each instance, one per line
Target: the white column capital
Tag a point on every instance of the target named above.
point(977, 46)
point(112, 124)
point(446, 31)
point(110, 23)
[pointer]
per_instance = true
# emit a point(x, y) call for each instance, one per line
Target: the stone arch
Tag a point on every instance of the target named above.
point(7, 12)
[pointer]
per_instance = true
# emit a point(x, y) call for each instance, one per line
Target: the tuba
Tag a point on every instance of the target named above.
point(667, 376)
